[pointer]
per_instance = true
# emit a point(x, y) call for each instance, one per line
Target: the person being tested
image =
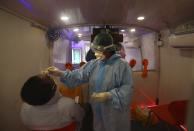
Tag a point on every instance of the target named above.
point(111, 85)
point(45, 109)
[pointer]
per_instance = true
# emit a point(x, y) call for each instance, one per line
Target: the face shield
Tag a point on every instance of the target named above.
point(103, 42)
point(98, 50)
point(99, 55)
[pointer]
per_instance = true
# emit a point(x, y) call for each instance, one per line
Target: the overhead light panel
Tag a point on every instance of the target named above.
point(132, 30)
point(122, 30)
point(76, 30)
point(79, 35)
point(64, 18)
point(140, 18)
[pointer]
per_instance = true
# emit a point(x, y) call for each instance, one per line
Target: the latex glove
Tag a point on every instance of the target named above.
point(102, 97)
point(45, 72)
point(55, 71)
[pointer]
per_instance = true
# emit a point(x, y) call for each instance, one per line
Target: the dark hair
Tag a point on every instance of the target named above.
point(119, 46)
point(90, 55)
point(112, 53)
point(38, 90)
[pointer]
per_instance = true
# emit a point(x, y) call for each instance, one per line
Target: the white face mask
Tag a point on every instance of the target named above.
point(99, 55)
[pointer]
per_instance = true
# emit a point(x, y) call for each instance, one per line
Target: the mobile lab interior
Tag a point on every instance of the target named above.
point(37, 34)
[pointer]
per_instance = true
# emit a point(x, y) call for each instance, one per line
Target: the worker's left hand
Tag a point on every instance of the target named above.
point(102, 97)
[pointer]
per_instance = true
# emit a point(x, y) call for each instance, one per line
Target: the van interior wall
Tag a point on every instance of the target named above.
point(23, 53)
point(176, 67)
point(190, 113)
point(145, 89)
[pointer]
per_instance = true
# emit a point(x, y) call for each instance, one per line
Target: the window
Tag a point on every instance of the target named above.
point(148, 50)
point(144, 48)
point(76, 56)
point(134, 53)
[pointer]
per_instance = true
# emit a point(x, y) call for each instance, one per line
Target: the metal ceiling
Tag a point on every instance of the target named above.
point(159, 14)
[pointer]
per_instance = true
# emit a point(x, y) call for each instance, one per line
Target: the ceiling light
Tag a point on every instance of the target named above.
point(79, 35)
point(132, 30)
point(76, 30)
point(65, 18)
point(140, 18)
point(122, 30)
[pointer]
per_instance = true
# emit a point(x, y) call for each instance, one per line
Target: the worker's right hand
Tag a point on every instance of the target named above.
point(55, 71)
point(102, 97)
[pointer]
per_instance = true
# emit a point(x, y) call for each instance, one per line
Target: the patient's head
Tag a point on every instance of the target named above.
point(38, 89)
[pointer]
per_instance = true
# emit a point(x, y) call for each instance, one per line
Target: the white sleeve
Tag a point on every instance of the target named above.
point(77, 112)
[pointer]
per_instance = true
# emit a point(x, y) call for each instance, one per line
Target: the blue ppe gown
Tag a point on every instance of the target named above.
point(113, 75)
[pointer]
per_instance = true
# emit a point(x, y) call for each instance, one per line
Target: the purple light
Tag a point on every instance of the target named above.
point(26, 4)
point(70, 35)
point(80, 44)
